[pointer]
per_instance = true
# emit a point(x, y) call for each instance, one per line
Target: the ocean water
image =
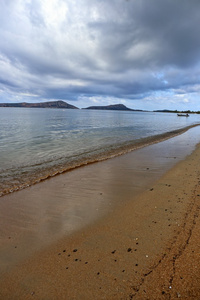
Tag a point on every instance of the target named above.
point(36, 144)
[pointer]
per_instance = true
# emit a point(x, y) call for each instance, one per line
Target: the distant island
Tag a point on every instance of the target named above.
point(65, 105)
point(112, 107)
point(50, 104)
point(177, 111)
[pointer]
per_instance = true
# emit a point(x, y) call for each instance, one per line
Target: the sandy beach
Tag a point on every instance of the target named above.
point(99, 150)
point(142, 249)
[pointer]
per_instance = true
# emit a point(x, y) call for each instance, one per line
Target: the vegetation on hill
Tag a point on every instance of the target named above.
point(112, 107)
point(50, 104)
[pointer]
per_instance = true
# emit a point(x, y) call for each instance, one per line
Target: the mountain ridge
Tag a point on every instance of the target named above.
point(65, 105)
point(112, 107)
point(49, 104)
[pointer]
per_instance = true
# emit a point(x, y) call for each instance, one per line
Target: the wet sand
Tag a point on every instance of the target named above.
point(146, 247)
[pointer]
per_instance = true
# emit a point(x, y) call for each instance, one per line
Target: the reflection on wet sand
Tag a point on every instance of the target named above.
point(37, 216)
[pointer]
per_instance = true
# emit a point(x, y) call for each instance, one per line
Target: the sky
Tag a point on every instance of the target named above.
point(144, 54)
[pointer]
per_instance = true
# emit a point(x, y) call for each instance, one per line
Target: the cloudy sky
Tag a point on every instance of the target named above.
point(142, 53)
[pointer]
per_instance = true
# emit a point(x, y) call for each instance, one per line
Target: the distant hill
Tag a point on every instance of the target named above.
point(165, 111)
point(177, 111)
point(112, 107)
point(50, 104)
point(65, 105)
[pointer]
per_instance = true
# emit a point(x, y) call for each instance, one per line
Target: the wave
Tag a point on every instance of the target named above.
point(15, 179)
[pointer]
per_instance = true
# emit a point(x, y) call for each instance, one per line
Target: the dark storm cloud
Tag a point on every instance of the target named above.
point(168, 31)
point(125, 49)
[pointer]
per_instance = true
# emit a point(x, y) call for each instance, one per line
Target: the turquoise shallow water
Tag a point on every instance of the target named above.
point(38, 143)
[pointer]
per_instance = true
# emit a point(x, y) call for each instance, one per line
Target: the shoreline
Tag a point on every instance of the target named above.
point(111, 152)
point(144, 249)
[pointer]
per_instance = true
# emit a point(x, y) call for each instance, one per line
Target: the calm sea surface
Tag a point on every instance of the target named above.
point(38, 143)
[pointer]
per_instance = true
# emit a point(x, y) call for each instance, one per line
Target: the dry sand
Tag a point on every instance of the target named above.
point(146, 249)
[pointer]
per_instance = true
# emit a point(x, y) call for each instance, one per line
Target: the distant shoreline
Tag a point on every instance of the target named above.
point(64, 105)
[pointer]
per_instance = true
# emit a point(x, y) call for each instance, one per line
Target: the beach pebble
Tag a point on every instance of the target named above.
point(75, 250)
point(129, 250)
point(163, 292)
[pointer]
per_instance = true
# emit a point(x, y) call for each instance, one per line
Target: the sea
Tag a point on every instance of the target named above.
point(39, 143)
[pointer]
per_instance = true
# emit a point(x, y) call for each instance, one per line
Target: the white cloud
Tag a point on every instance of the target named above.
point(100, 49)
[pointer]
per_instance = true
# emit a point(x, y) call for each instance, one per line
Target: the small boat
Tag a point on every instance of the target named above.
point(183, 115)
